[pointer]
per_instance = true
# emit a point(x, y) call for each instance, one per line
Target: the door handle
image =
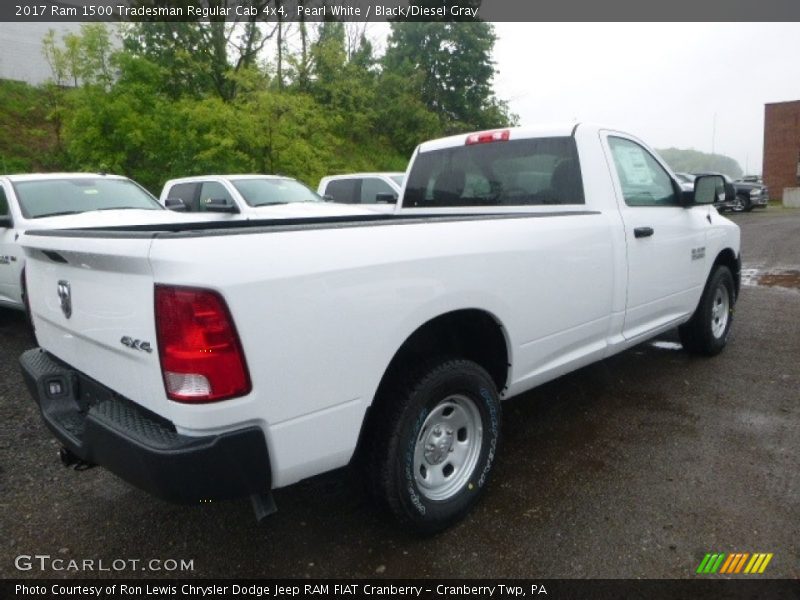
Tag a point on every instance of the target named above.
point(641, 232)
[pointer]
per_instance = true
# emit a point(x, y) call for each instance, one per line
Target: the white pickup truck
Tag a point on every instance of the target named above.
point(64, 200)
point(248, 197)
point(379, 191)
point(224, 360)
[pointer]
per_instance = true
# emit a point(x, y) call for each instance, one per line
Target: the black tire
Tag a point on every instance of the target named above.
point(403, 436)
point(705, 333)
point(742, 204)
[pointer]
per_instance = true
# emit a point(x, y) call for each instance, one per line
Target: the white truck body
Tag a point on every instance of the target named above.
point(322, 307)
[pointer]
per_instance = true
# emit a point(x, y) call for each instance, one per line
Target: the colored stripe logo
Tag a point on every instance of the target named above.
point(734, 563)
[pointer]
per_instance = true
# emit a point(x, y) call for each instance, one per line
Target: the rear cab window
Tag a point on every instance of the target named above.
point(526, 172)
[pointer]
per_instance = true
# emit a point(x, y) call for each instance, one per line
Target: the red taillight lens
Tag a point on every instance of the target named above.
point(201, 356)
point(484, 137)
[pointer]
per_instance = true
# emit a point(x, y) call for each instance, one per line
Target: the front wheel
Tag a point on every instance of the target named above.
point(434, 446)
point(708, 329)
point(742, 204)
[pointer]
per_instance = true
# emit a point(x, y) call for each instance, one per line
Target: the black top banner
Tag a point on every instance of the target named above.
point(400, 10)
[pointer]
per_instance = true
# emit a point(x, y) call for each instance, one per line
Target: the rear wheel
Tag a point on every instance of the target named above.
point(708, 329)
point(434, 444)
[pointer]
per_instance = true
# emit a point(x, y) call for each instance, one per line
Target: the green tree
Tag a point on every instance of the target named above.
point(205, 56)
point(452, 67)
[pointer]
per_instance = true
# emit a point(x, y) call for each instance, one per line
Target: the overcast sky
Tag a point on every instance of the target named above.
point(662, 82)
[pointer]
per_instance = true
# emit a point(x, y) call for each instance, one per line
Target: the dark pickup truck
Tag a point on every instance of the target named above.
point(749, 195)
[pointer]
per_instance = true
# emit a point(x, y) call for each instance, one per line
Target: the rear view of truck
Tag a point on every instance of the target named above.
point(96, 310)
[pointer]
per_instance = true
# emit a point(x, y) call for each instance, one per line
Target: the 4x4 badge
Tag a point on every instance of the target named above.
point(65, 298)
point(136, 344)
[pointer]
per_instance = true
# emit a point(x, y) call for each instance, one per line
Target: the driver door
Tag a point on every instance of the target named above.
point(665, 242)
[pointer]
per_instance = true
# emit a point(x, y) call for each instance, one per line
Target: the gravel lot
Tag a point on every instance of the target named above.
point(633, 467)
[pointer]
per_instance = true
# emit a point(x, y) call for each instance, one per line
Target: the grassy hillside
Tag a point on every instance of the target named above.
point(28, 139)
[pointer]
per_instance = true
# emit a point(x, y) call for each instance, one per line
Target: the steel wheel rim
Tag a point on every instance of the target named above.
point(738, 204)
point(448, 447)
point(720, 310)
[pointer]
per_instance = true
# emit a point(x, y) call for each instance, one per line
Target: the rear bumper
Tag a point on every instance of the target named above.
point(102, 428)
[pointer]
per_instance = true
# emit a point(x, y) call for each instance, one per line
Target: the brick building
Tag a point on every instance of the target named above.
point(781, 146)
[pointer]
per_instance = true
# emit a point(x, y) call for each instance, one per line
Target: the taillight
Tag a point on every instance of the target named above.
point(484, 137)
point(201, 356)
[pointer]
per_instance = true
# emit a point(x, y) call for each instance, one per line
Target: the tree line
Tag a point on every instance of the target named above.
point(306, 100)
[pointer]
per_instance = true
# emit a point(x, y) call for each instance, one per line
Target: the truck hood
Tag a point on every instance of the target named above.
point(111, 218)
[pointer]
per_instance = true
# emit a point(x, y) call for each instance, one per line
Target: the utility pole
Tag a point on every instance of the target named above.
point(714, 134)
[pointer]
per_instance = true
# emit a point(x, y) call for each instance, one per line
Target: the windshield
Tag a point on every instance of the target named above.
point(51, 197)
point(398, 179)
point(265, 192)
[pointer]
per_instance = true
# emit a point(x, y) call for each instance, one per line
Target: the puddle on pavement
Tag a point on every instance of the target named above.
point(781, 278)
point(665, 345)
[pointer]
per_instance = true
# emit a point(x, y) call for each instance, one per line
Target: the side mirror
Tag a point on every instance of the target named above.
point(386, 198)
point(709, 189)
point(219, 205)
point(6, 221)
point(730, 192)
point(327, 198)
point(176, 204)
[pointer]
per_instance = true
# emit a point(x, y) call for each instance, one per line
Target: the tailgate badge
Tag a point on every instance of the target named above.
point(65, 298)
point(136, 344)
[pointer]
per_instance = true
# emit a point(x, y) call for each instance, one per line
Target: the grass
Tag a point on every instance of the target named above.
point(28, 140)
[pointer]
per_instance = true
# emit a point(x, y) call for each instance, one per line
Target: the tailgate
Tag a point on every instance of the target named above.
point(91, 299)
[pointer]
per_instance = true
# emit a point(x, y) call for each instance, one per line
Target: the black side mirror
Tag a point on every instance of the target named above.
point(219, 205)
point(176, 204)
point(6, 221)
point(327, 198)
point(709, 189)
point(386, 198)
point(730, 192)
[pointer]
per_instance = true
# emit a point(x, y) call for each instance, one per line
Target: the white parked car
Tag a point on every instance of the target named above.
point(63, 201)
point(248, 197)
point(379, 191)
point(216, 362)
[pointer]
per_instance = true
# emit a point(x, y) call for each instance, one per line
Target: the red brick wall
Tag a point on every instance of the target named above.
point(781, 146)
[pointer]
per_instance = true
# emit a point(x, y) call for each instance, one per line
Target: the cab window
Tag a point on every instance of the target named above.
point(188, 193)
point(343, 190)
point(371, 187)
point(213, 190)
point(3, 203)
point(643, 180)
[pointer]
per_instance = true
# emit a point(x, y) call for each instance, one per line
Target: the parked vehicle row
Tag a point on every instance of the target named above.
point(248, 197)
point(62, 201)
point(385, 341)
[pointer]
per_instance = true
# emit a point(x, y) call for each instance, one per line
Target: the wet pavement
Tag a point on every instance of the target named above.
point(633, 467)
